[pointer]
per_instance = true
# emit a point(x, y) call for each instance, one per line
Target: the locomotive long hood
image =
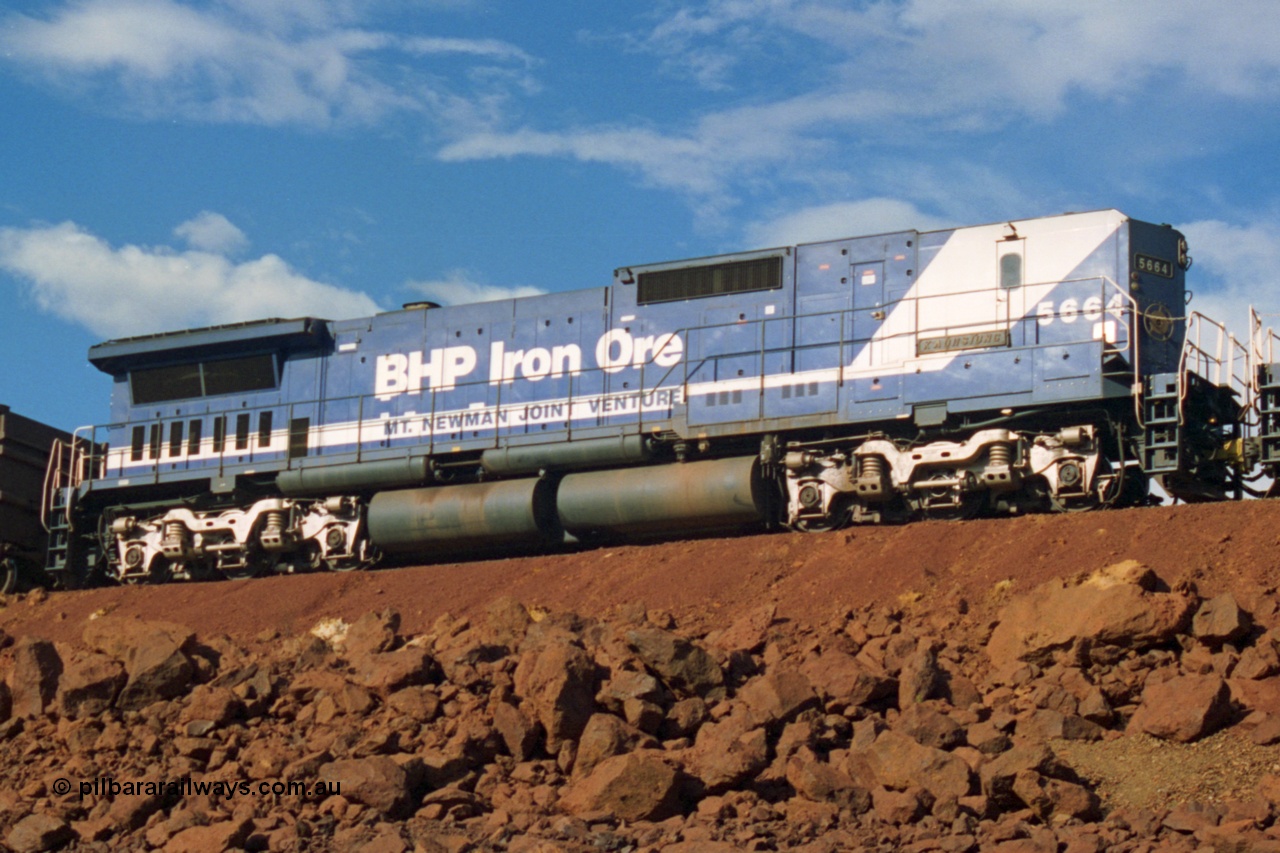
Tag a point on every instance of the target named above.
point(303, 333)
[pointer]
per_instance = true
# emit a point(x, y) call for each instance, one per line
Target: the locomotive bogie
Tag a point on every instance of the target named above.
point(270, 534)
point(1016, 471)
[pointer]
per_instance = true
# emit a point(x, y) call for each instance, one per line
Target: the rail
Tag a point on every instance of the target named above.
point(1264, 346)
point(69, 465)
point(1214, 359)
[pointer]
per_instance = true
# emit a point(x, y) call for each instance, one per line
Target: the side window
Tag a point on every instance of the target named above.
point(242, 431)
point(1011, 254)
point(219, 433)
point(264, 429)
point(298, 430)
point(193, 438)
point(139, 441)
point(153, 445)
point(175, 438)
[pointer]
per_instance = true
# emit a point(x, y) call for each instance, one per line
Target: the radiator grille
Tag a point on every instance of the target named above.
point(711, 280)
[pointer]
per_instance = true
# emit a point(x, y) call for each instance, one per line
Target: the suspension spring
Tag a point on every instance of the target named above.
point(871, 467)
point(1001, 455)
point(274, 524)
point(273, 529)
point(174, 532)
point(174, 541)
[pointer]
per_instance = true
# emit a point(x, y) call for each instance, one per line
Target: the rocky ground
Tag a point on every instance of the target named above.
point(1096, 682)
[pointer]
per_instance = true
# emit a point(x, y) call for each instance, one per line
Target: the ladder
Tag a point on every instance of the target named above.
point(61, 478)
point(1162, 432)
point(1268, 400)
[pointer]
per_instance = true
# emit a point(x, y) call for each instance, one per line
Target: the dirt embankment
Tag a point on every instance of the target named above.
point(706, 583)
point(1085, 682)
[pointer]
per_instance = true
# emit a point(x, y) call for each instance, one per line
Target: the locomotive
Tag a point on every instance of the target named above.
point(1044, 364)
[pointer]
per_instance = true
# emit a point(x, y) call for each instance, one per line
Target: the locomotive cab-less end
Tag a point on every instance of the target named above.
point(1042, 364)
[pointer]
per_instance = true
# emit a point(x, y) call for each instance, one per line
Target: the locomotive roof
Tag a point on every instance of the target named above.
point(117, 356)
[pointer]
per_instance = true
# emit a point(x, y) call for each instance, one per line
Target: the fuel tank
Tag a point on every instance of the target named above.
point(478, 515)
point(716, 493)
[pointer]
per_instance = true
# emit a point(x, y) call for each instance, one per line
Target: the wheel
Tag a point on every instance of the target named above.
point(947, 502)
point(363, 556)
point(837, 518)
point(160, 571)
point(254, 566)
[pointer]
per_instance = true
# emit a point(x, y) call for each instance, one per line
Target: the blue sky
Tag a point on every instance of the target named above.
point(167, 164)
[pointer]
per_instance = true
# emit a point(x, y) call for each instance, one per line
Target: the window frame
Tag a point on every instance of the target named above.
point(157, 387)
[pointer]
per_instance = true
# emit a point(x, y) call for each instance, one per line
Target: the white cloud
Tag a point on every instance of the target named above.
point(847, 219)
point(491, 48)
point(459, 288)
point(212, 232)
point(901, 71)
point(1235, 268)
point(131, 290)
point(1027, 56)
point(279, 62)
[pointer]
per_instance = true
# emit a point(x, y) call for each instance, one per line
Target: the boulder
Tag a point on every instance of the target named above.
point(217, 705)
point(636, 786)
point(520, 734)
point(920, 677)
point(1043, 724)
point(930, 727)
point(153, 657)
point(625, 684)
point(1115, 606)
point(777, 698)
point(1220, 620)
point(841, 678)
point(371, 633)
point(558, 682)
point(1258, 661)
point(387, 672)
point(1184, 708)
point(376, 781)
point(684, 718)
point(38, 832)
point(898, 762)
point(645, 716)
point(684, 667)
point(817, 780)
point(1261, 695)
point(1267, 732)
point(999, 774)
point(130, 811)
point(898, 807)
point(747, 633)
point(604, 737)
point(1055, 800)
point(119, 637)
point(89, 685)
point(33, 681)
point(216, 837)
point(506, 623)
point(728, 753)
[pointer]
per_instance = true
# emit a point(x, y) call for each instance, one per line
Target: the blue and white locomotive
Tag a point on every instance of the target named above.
point(1044, 364)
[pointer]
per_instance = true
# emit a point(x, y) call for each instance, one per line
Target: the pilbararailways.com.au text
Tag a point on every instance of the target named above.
point(109, 786)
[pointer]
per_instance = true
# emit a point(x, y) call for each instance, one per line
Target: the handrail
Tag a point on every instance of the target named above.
point(52, 482)
point(1132, 339)
point(1216, 357)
